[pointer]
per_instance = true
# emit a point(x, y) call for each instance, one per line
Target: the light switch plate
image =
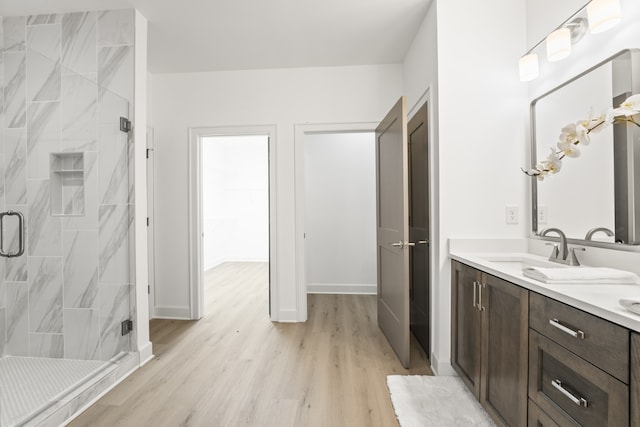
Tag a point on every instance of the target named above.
point(543, 214)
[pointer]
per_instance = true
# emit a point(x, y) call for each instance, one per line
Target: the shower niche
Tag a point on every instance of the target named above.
point(67, 184)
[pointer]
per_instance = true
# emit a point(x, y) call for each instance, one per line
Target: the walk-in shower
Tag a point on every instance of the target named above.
point(66, 203)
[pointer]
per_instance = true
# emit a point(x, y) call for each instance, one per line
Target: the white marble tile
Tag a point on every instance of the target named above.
point(115, 71)
point(46, 345)
point(15, 172)
point(45, 294)
point(79, 37)
point(114, 308)
point(17, 319)
point(43, 19)
point(80, 269)
point(113, 243)
point(81, 334)
point(116, 27)
point(43, 63)
point(2, 169)
point(13, 30)
point(44, 232)
point(43, 137)
point(15, 91)
point(114, 165)
point(79, 113)
point(89, 221)
point(3, 332)
point(3, 295)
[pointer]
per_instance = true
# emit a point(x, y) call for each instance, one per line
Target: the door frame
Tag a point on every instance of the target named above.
point(196, 288)
point(151, 221)
point(300, 131)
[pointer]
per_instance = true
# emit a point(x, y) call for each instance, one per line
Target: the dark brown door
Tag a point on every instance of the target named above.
point(418, 132)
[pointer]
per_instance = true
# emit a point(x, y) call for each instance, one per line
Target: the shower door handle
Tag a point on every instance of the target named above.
point(20, 234)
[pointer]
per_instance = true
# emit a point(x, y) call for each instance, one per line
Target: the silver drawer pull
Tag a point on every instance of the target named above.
point(557, 384)
point(576, 334)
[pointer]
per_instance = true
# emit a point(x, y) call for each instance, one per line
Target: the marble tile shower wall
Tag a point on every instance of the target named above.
point(66, 79)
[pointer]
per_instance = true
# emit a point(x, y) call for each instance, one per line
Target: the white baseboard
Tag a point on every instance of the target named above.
point(178, 313)
point(339, 288)
point(146, 353)
point(213, 264)
point(442, 368)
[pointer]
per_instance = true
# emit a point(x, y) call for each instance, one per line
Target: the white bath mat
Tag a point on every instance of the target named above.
point(421, 401)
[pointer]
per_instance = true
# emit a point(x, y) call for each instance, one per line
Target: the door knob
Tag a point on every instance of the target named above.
point(401, 244)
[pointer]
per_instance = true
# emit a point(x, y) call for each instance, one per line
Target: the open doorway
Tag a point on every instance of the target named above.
point(235, 199)
point(339, 210)
point(232, 219)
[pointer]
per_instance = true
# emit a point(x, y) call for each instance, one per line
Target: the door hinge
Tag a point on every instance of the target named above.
point(125, 125)
point(148, 149)
point(149, 289)
point(126, 326)
point(147, 221)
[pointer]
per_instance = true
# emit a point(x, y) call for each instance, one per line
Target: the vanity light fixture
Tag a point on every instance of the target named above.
point(603, 15)
point(528, 67)
point(558, 44)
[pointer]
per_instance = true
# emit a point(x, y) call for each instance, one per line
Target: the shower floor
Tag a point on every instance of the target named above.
point(29, 385)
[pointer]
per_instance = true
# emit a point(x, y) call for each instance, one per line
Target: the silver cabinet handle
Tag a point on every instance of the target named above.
point(557, 384)
point(475, 294)
point(576, 334)
point(20, 234)
point(480, 286)
point(423, 242)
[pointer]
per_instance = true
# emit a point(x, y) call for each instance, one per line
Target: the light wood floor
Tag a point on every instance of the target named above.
point(237, 368)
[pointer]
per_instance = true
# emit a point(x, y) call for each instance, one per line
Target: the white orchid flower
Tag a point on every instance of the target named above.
point(575, 132)
point(630, 107)
point(569, 149)
point(599, 123)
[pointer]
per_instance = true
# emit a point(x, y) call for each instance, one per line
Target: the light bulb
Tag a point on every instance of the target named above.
point(559, 44)
point(603, 15)
point(528, 67)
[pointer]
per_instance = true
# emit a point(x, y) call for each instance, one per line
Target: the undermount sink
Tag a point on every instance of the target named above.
point(518, 262)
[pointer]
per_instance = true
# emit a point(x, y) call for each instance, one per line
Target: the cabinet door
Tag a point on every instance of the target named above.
point(466, 322)
point(635, 380)
point(504, 372)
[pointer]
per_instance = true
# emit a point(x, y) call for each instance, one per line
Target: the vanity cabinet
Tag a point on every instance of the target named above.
point(489, 347)
point(534, 361)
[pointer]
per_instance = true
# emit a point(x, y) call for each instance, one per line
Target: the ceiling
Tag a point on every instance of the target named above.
point(210, 35)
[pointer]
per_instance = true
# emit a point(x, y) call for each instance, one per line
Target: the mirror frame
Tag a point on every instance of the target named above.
point(631, 212)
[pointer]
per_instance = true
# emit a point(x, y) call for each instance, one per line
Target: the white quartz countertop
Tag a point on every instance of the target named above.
point(598, 299)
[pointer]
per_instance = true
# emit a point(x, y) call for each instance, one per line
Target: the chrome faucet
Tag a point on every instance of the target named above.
point(562, 254)
point(593, 231)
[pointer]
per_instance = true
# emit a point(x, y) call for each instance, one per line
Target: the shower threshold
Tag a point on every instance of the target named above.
point(48, 392)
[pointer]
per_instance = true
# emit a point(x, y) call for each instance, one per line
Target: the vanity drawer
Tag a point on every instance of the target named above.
point(566, 387)
point(601, 342)
point(537, 418)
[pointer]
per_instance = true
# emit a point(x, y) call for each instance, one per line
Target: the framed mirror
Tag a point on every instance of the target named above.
point(594, 198)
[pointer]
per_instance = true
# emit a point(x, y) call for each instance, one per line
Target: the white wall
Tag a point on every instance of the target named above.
point(478, 133)
point(282, 97)
point(340, 212)
point(235, 199)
